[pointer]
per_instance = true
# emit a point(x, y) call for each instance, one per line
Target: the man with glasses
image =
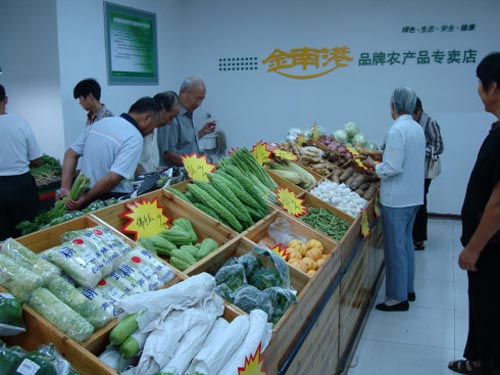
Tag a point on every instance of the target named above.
point(181, 138)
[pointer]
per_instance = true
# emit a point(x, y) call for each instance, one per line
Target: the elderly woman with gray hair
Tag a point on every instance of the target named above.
point(401, 193)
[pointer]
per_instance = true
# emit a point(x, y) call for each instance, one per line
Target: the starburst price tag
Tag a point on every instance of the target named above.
point(281, 250)
point(315, 132)
point(301, 139)
point(290, 202)
point(197, 167)
point(260, 153)
point(253, 365)
point(365, 226)
point(285, 155)
point(145, 217)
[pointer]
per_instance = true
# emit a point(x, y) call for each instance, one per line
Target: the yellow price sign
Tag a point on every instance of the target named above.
point(253, 365)
point(146, 218)
point(301, 139)
point(315, 132)
point(260, 153)
point(289, 201)
point(198, 167)
point(281, 250)
point(285, 155)
point(365, 226)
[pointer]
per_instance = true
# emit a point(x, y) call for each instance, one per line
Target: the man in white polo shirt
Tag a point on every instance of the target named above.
point(110, 150)
point(18, 191)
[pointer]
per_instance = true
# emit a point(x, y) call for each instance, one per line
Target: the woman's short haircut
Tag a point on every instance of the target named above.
point(403, 100)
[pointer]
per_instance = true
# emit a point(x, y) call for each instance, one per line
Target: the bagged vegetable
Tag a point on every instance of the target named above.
point(281, 299)
point(18, 280)
point(79, 261)
point(233, 276)
point(10, 310)
point(249, 298)
point(88, 309)
point(190, 344)
point(28, 259)
point(212, 358)
point(10, 358)
point(259, 333)
point(280, 231)
point(60, 314)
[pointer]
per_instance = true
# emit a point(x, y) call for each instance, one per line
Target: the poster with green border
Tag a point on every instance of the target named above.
point(131, 46)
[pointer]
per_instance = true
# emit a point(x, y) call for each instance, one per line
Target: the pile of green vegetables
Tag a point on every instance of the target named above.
point(44, 361)
point(257, 280)
point(180, 244)
point(237, 193)
point(59, 213)
point(326, 222)
point(47, 171)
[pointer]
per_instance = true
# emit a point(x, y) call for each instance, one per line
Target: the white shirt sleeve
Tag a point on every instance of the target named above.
point(392, 162)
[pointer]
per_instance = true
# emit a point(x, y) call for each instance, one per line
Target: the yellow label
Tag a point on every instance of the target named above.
point(198, 167)
point(306, 62)
point(301, 139)
point(146, 218)
point(260, 153)
point(285, 155)
point(253, 365)
point(281, 250)
point(289, 201)
point(365, 226)
point(315, 132)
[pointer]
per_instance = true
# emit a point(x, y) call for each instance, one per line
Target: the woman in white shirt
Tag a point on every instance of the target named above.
point(401, 193)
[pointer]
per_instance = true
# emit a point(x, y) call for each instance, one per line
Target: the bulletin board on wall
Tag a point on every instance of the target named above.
point(131, 45)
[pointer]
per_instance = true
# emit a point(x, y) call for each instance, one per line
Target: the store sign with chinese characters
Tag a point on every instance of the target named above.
point(306, 62)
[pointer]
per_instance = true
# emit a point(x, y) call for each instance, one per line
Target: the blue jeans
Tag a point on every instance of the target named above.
point(399, 253)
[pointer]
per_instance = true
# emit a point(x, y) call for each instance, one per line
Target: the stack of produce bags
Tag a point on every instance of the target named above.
point(182, 331)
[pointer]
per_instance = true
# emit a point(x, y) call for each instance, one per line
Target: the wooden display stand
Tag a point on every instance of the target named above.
point(313, 337)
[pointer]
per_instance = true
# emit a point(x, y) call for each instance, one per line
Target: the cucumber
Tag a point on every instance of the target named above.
point(124, 329)
point(10, 310)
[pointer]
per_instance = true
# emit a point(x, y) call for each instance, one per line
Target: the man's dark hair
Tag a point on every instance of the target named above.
point(2, 93)
point(145, 105)
point(87, 86)
point(418, 105)
point(167, 99)
point(488, 70)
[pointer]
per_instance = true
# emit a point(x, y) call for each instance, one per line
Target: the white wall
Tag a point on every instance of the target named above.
point(82, 55)
point(254, 105)
point(64, 43)
point(29, 60)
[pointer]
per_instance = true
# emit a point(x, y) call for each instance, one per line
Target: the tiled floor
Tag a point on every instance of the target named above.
point(422, 340)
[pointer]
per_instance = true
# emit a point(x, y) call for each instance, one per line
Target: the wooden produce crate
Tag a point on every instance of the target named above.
point(204, 225)
point(351, 236)
point(288, 327)
point(259, 234)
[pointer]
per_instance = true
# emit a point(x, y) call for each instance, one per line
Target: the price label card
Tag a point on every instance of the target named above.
point(253, 364)
point(301, 139)
point(289, 201)
point(281, 250)
point(145, 218)
point(197, 167)
point(285, 155)
point(260, 153)
point(365, 226)
point(315, 132)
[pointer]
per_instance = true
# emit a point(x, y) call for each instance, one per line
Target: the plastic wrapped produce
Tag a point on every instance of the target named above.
point(60, 314)
point(281, 299)
point(88, 309)
point(28, 259)
point(18, 280)
point(212, 358)
point(259, 333)
point(233, 276)
point(78, 261)
point(249, 298)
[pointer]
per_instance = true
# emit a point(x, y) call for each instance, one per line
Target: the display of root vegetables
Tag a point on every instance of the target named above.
point(306, 256)
point(365, 185)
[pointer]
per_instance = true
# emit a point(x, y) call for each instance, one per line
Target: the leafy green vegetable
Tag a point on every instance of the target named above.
point(233, 276)
point(266, 278)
